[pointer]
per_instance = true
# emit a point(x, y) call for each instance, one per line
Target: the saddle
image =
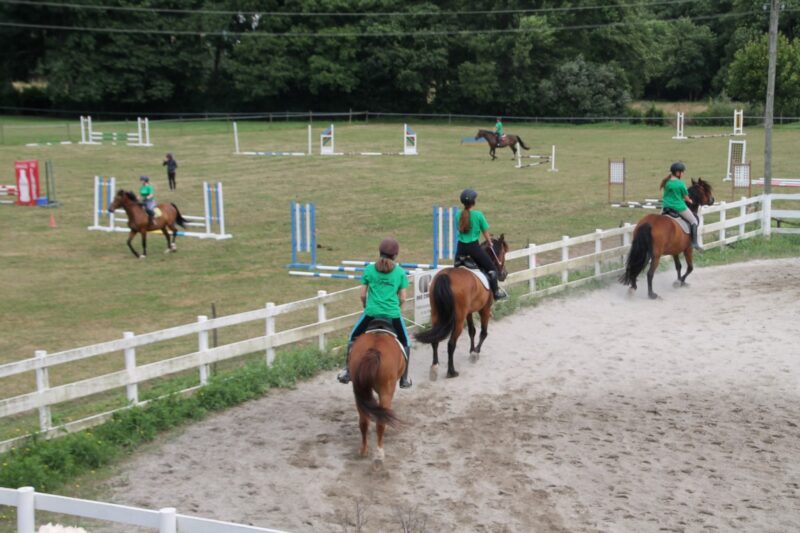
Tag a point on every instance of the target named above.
point(381, 325)
point(466, 262)
point(668, 211)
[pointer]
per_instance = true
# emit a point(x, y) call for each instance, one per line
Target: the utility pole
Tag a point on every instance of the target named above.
point(774, 9)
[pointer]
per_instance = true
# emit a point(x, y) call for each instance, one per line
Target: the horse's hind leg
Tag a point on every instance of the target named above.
point(435, 363)
point(458, 327)
point(131, 235)
point(169, 240)
point(650, 273)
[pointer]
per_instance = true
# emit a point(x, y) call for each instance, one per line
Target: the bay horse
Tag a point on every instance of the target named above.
point(510, 140)
point(138, 220)
point(456, 293)
point(657, 235)
point(376, 363)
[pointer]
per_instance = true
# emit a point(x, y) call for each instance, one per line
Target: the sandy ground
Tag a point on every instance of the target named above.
point(602, 411)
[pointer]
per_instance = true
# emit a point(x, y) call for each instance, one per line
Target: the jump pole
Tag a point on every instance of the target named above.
point(544, 159)
point(237, 150)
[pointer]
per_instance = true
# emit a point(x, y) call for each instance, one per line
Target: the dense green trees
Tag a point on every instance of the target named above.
point(547, 57)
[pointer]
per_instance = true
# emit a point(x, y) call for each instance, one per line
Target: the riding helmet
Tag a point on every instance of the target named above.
point(677, 167)
point(389, 247)
point(468, 196)
point(144, 178)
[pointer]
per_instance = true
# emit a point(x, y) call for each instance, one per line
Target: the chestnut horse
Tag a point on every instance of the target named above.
point(138, 220)
point(376, 363)
point(455, 294)
point(510, 140)
point(657, 235)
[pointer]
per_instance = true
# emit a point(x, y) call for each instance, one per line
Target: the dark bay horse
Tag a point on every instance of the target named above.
point(138, 220)
point(657, 235)
point(510, 140)
point(376, 363)
point(455, 294)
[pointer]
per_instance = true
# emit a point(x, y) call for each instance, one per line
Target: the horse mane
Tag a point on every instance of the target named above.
point(130, 195)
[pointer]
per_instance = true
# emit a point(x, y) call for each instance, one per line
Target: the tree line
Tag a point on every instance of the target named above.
point(561, 58)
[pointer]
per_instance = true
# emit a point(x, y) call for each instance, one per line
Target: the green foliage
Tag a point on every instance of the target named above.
point(584, 89)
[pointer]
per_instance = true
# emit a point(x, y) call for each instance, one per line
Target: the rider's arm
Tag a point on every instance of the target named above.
point(487, 235)
point(401, 296)
point(363, 296)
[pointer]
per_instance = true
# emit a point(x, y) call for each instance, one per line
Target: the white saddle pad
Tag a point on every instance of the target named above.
point(683, 224)
point(478, 274)
point(393, 334)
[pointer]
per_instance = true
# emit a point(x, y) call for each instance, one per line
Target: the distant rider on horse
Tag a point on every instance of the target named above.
point(383, 291)
point(147, 194)
point(676, 197)
point(498, 130)
point(471, 225)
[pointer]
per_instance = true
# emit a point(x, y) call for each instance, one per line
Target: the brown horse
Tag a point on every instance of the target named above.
point(455, 294)
point(657, 235)
point(376, 363)
point(138, 220)
point(509, 140)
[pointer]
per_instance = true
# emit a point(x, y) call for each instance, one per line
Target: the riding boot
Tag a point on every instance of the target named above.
point(693, 231)
point(150, 217)
point(344, 375)
point(498, 293)
point(405, 383)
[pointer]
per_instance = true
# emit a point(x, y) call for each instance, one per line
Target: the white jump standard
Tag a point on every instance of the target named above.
point(551, 158)
point(327, 143)
point(141, 137)
point(738, 127)
point(213, 221)
point(268, 153)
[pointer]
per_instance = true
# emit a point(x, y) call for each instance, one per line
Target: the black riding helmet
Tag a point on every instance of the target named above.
point(468, 196)
point(677, 167)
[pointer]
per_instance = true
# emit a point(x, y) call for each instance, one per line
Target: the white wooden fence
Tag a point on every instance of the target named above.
point(603, 252)
point(166, 520)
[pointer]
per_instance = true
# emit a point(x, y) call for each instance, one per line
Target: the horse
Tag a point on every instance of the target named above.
point(456, 293)
point(657, 235)
point(511, 140)
point(138, 220)
point(376, 363)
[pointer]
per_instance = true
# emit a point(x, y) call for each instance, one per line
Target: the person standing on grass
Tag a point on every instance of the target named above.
point(172, 166)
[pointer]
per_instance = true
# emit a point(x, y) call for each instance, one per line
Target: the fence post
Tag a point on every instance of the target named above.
point(598, 248)
point(742, 214)
point(202, 346)
point(564, 257)
point(722, 219)
point(26, 517)
point(42, 384)
point(700, 226)
point(531, 266)
point(626, 241)
point(766, 220)
point(167, 520)
point(321, 317)
point(132, 387)
point(270, 331)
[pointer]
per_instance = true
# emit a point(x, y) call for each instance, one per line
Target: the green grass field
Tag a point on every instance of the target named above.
point(68, 287)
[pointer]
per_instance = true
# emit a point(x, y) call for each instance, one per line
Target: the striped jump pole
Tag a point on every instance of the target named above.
point(304, 233)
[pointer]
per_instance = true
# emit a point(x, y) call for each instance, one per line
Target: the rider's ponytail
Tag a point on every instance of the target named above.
point(464, 222)
point(664, 181)
point(385, 264)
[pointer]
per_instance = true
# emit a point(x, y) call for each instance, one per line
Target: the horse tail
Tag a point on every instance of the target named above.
point(444, 303)
point(521, 143)
point(178, 217)
point(641, 249)
point(365, 378)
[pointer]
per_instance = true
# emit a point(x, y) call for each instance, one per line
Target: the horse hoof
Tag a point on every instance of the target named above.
point(377, 464)
point(676, 284)
point(452, 374)
point(142, 256)
point(474, 356)
point(653, 295)
point(433, 373)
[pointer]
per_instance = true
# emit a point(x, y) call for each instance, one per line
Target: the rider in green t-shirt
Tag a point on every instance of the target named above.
point(676, 197)
point(471, 225)
point(147, 194)
point(498, 128)
point(383, 291)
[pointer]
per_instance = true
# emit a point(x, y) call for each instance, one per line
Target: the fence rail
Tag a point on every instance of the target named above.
point(27, 501)
point(603, 251)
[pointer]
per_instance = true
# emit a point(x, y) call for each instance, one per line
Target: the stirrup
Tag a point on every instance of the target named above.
point(499, 294)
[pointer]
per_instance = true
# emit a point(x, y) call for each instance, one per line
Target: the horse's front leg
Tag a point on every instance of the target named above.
point(363, 425)
point(131, 235)
point(689, 266)
point(471, 330)
point(491, 152)
point(650, 273)
point(485, 313)
point(678, 266)
point(144, 244)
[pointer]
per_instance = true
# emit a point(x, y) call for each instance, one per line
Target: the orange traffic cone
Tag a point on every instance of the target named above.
point(53, 221)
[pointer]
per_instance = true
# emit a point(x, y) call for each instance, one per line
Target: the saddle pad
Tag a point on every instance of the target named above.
point(157, 212)
point(478, 274)
point(387, 332)
point(682, 223)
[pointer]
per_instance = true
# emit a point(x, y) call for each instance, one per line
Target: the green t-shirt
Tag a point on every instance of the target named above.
point(674, 192)
point(146, 190)
point(477, 224)
point(382, 300)
point(499, 128)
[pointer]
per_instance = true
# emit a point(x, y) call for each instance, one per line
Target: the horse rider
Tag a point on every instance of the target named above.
point(676, 197)
point(383, 291)
point(498, 129)
point(471, 225)
point(147, 194)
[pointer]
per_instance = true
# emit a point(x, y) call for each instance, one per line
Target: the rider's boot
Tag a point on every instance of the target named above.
point(344, 375)
point(498, 293)
point(693, 231)
point(150, 217)
point(405, 383)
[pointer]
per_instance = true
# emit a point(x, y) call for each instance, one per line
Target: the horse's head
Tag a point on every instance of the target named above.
point(485, 134)
point(497, 249)
point(121, 199)
point(701, 193)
